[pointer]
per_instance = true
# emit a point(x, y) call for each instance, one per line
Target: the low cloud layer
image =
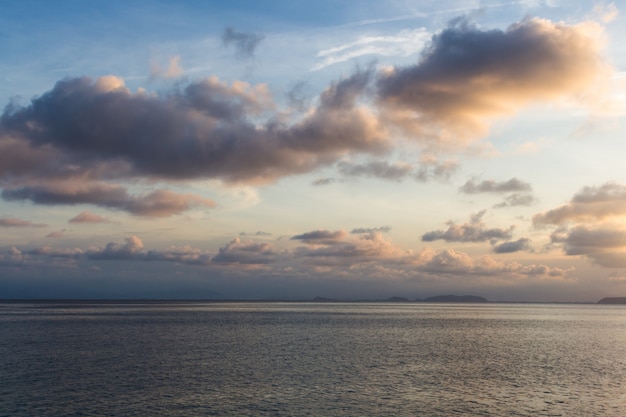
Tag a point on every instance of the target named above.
point(330, 254)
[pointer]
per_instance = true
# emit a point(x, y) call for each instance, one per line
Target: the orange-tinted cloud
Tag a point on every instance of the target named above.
point(589, 225)
point(88, 217)
point(467, 76)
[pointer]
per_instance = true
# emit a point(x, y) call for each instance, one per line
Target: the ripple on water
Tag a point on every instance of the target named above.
point(275, 359)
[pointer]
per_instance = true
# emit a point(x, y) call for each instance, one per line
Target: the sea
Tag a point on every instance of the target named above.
point(173, 358)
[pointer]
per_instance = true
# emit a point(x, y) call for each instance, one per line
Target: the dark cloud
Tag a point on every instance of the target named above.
point(510, 247)
point(492, 186)
point(159, 203)
point(474, 231)
point(244, 43)
point(589, 205)
point(321, 237)
point(102, 130)
point(361, 230)
point(13, 222)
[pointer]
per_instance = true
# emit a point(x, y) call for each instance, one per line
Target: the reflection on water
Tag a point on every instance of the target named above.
point(312, 359)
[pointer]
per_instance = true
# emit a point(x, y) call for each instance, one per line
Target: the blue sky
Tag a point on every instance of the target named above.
point(277, 149)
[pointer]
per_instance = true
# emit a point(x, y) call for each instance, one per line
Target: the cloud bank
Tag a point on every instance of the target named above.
point(83, 141)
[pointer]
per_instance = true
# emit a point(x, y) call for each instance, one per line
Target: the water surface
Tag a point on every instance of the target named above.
point(285, 359)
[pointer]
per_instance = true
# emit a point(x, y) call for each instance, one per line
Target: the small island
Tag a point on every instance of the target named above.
point(613, 300)
point(454, 299)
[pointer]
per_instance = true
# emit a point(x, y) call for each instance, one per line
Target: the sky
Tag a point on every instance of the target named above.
point(292, 150)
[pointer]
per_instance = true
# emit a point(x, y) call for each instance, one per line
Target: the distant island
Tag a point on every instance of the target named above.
point(436, 299)
point(454, 299)
point(613, 300)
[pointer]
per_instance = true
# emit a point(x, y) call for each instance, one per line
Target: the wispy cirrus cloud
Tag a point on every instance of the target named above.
point(404, 43)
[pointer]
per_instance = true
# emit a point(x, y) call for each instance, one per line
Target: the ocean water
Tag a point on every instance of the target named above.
point(311, 359)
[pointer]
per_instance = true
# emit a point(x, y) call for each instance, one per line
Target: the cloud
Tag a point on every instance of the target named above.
point(376, 169)
point(335, 254)
point(159, 203)
point(362, 230)
point(13, 222)
point(468, 77)
point(244, 43)
point(323, 181)
point(474, 231)
point(492, 186)
point(100, 130)
point(521, 191)
point(321, 237)
point(342, 249)
point(607, 12)
point(173, 69)
point(56, 234)
point(133, 250)
point(449, 262)
point(517, 199)
point(428, 169)
point(245, 252)
point(604, 246)
point(88, 217)
point(260, 233)
point(510, 247)
point(589, 225)
point(80, 142)
point(589, 205)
